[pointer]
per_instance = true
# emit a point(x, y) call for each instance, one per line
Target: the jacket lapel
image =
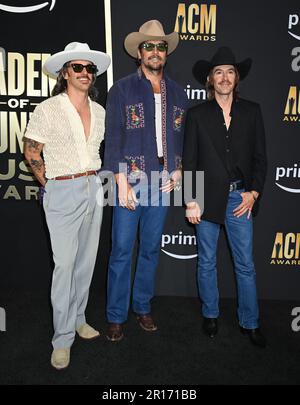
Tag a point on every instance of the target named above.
point(217, 129)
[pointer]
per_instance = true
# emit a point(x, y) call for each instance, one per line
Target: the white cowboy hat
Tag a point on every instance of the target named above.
point(150, 30)
point(74, 51)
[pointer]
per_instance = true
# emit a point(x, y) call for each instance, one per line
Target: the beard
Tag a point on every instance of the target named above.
point(154, 67)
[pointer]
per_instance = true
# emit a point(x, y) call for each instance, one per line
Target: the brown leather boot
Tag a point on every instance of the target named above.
point(115, 332)
point(146, 322)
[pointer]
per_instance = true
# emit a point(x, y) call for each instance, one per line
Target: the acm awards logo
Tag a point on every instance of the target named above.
point(286, 249)
point(292, 106)
point(196, 22)
point(29, 8)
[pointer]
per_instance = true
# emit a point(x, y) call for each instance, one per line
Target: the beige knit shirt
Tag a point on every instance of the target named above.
point(56, 123)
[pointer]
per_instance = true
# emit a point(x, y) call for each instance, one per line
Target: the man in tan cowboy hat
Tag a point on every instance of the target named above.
point(225, 138)
point(144, 134)
point(68, 129)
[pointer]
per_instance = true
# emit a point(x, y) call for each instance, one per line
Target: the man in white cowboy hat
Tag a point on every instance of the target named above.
point(225, 138)
point(68, 128)
point(144, 133)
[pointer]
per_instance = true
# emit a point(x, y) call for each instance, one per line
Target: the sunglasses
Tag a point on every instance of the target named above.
point(149, 46)
point(78, 68)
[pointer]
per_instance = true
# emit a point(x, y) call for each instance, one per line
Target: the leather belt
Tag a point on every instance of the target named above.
point(74, 176)
point(236, 185)
point(161, 160)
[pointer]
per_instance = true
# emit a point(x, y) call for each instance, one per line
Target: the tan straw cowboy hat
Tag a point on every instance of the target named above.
point(150, 30)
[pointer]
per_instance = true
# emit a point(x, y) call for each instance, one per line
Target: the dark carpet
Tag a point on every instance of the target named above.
point(178, 353)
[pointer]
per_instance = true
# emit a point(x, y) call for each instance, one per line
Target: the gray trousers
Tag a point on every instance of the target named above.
point(73, 211)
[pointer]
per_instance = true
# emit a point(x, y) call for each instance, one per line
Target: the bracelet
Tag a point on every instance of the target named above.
point(254, 198)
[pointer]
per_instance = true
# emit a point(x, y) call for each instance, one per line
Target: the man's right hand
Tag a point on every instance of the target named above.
point(126, 194)
point(193, 212)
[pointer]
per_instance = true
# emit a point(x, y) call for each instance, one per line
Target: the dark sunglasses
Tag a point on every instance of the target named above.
point(149, 46)
point(78, 68)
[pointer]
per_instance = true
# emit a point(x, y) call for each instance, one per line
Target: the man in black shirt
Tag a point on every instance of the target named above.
point(225, 138)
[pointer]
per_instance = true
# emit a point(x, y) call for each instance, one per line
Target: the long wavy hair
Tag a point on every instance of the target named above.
point(62, 85)
point(210, 86)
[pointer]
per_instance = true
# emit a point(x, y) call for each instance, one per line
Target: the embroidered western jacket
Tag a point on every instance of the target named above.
point(130, 135)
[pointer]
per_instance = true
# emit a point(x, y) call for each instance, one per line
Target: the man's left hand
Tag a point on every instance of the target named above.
point(245, 206)
point(172, 182)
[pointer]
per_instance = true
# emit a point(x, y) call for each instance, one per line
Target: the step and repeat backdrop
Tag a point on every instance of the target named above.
point(269, 33)
point(30, 31)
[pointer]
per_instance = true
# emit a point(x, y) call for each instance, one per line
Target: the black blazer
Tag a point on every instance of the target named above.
point(204, 150)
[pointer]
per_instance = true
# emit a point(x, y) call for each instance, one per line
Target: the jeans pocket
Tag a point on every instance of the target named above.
point(240, 192)
point(46, 196)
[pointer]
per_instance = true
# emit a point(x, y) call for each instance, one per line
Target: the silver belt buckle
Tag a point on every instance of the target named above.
point(232, 187)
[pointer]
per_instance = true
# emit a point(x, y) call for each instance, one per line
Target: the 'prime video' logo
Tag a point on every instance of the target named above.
point(27, 9)
point(296, 321)
point(293, 22)
point(2, 320)
point(181, 240)
point(288, 173)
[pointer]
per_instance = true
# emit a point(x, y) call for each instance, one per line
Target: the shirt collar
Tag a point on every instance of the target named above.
point(141, 74)
point(217, 107)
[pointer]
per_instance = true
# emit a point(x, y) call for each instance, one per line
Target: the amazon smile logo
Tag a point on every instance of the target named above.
point(27, 9)
point(293, 21)
point(290, 173)
point(180, 246)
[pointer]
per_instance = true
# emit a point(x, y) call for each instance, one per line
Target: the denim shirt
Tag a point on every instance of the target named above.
point(130, 134)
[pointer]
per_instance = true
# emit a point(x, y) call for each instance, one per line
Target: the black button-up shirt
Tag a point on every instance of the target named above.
point(228, 138)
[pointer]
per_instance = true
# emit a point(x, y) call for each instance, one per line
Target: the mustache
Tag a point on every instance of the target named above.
point(155, 56)
point(225, 82)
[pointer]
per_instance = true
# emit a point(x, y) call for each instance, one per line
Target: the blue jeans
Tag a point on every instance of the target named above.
point(240, 236)
point(151, 220)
